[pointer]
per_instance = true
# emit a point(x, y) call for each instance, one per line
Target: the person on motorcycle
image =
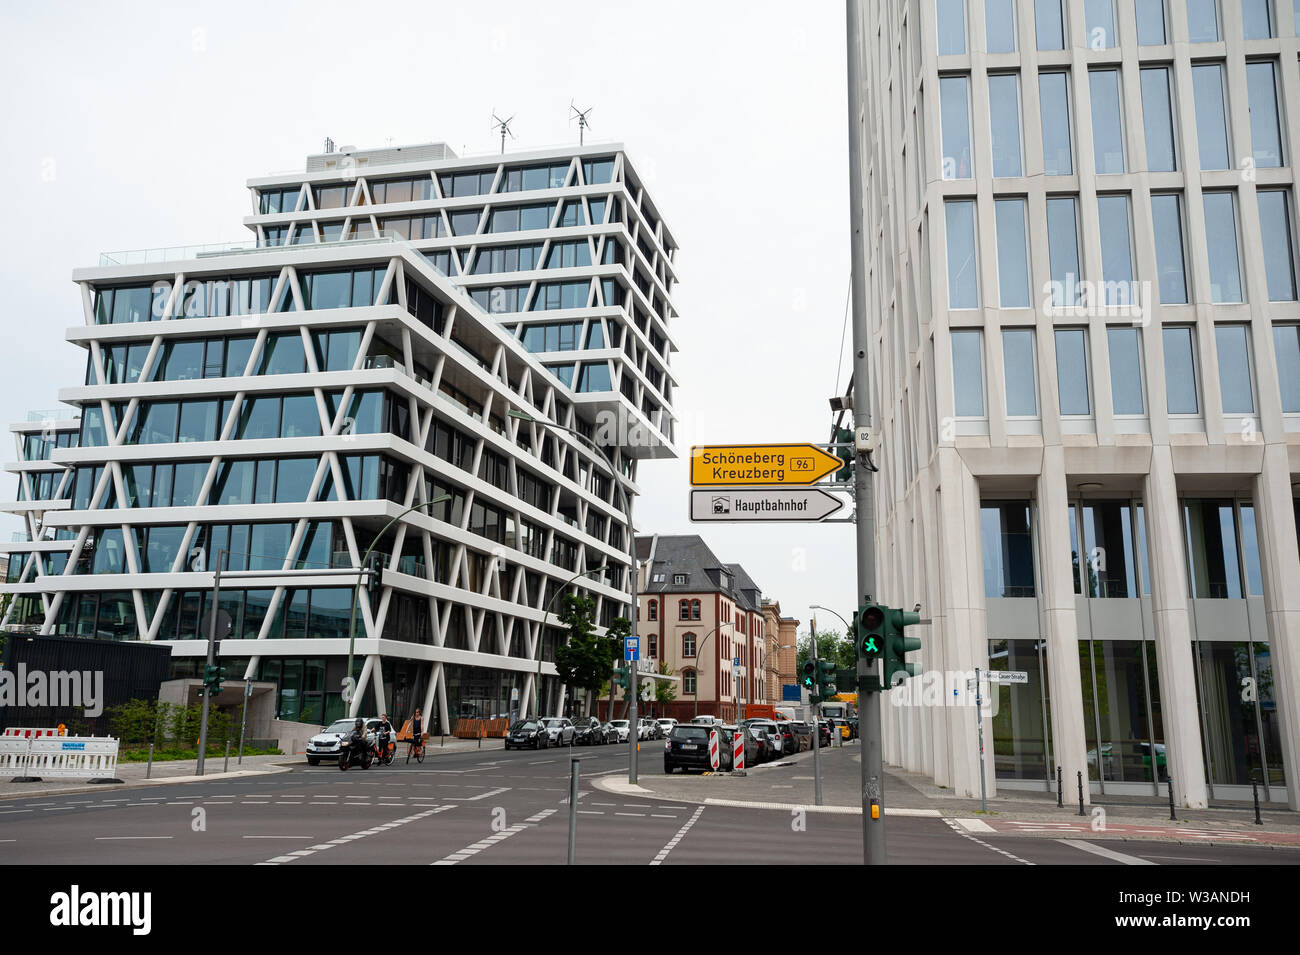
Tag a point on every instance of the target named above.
point(358, 738)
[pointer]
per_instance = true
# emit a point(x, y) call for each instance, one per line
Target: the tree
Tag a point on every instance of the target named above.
point(665, 690)
point(586, 660)
point(832, 646)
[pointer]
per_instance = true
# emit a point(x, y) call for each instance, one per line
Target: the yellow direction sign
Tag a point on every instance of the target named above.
point(745, 464)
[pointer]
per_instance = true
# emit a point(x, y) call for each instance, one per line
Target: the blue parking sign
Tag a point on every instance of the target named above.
point(632, 648)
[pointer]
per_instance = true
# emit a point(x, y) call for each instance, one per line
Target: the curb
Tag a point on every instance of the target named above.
point(145, 783)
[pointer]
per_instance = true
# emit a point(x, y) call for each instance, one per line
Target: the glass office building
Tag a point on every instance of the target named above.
point(273, 405)
point(1086, 373)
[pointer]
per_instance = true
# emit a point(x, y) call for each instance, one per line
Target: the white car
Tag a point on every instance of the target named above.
point(326, 744)
point(622, 727)
point(666, 724)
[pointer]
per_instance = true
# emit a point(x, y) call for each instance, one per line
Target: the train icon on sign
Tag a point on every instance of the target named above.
point(721, 505)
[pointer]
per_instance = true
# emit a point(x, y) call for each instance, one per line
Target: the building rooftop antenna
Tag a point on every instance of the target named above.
point(583, 123)
point(504, 126)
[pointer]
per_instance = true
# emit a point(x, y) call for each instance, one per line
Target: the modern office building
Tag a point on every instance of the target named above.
point(1081, 236)
point(704, 619)
point(278, 405)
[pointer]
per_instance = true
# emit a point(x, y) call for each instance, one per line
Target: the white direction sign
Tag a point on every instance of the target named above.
point(763, 504)
point(1000, 676)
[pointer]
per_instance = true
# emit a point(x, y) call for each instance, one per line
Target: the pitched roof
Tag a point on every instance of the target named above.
point(686, 555)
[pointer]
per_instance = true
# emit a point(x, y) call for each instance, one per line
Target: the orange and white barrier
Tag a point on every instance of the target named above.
point(23, 732)
point(738, 752)
point(713, 748)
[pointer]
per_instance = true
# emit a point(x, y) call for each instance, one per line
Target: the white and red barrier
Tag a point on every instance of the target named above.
point(23, 732)
point(738, 752)
point(713, 749)
point(58, 757)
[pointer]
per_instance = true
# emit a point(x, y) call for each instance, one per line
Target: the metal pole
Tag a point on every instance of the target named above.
point(1080, 773)
point(979, 720)
point(226, 768)
point(817, 729)
point(1173, 815)
point(573, 808)
point(212, 654)
point(243, 728)
point(148, 770)
point(1059, 795)
point(1254, 790)
point(873, 774)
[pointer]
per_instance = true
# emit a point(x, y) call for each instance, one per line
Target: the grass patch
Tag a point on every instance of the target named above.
point(138, 755)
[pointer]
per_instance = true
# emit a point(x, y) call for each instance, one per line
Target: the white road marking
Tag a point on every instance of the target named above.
point(490, 792)
point(975, 825)
point(663, 853)
point(302, 853)
point(1105, 853)
point(980, 842)
point(120, 838)
point(277, 837)
point(477, 847)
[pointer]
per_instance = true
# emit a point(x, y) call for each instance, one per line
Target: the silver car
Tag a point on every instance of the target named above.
point(560, 730)
point(620, 728)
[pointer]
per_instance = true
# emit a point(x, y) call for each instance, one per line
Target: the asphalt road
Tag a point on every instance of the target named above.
point(492, 807)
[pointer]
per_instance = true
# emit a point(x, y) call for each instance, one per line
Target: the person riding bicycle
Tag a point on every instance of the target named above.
point(417, 730)
point(383, 731)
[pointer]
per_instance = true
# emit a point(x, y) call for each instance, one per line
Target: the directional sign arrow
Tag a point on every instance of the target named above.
point(759, 505)
point(750, 464)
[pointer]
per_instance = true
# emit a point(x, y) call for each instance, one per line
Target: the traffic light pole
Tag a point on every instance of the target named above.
point(212, 655)
point(817, 727)
point(869, 695)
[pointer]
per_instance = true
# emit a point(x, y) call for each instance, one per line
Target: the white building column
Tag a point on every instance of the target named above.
point(1279, 561)
point(1059, 625)
point(1173, 632)
point(963, 629)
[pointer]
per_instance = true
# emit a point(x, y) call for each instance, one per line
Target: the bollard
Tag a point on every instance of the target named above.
point(573, 808)
point(1173, 815)
point(1254, 788)
point(226, 768)
point(148, 770)
point(1081, 812)
point(1060, 796)
point(444, 740)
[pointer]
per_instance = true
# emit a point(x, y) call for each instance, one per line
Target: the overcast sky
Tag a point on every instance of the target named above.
point(127, 127)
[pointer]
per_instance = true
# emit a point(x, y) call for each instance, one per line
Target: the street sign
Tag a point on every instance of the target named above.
point(1000, 676)
point(632, 648)
point(749, 464)
point(735, 662)
point(762, 505)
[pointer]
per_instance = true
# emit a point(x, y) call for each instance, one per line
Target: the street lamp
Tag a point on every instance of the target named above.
point(634, 615)
point(699, 653)
point(537, 690)
point(356, 589)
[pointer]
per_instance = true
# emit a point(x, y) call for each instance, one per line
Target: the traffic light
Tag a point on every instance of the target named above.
point(898, 644)
point(809, 681)
point(826, 679)
point(212, 678)
point(869, 631)
point(621, 677)
point(843, 436)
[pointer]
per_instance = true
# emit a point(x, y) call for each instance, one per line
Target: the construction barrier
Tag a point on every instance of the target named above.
point(28, 733)
point(59, 757)
point(738, 752)
point(713, 748)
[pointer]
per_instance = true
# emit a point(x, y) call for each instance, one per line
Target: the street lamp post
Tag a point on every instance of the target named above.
point(356, 593)
point(537, 690)
point(632, 736)
point(699, 654)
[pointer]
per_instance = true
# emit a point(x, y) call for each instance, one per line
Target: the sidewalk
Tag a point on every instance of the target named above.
point(790, 783)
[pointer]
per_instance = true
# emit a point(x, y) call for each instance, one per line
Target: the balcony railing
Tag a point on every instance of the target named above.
point(180, 252)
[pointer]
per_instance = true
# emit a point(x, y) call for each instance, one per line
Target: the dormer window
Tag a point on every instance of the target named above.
point(679, 580)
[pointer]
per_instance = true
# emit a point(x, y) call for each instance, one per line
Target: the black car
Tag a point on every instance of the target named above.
point(789, 741)
point(802, 735)
point(588, 731)
point(824, 733)
point(527, 734)
point(687, 748)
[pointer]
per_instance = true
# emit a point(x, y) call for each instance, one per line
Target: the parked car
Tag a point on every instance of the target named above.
point(666, 724)
point(852, 723)
point(705, 720)
point(771, 731)
point(687, 748)
point(621, 729)
point(648, 729)
point(527, 734)
point(560, 729)
point(325, 744)
point(802, 735)
point(789, 742)
point(824, 733)
point(754, 747)
point(588, 731)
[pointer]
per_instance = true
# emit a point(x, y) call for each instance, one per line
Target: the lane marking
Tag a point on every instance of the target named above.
point(980, 842)
point(672, 843)
point(975, 825)
point(303, 853)
point(1105, 853)
point(277, 837)
point(120, 838)
point(475, 848)
point(490, 792)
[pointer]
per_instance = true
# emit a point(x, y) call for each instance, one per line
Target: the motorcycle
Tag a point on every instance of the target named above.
point(356, 752)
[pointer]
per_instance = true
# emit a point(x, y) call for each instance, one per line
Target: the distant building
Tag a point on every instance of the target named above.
point(782, 636)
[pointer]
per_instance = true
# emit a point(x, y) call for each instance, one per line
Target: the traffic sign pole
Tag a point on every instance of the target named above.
point(979, 721)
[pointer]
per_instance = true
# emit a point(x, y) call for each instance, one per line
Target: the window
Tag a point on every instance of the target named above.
point(1158, 120)
point(689, 682)
point(1256, 19)
point(963, 281)
point(1063, 251)
point(1221, 237)
point(1211, 120)
point(1180, 370)
point(954, 104)
point(1286, 343)
point(1049, 26)
point(1013, 253)
point(679, 580)
point(1100, 22)
point(1265, 131)
point(1116, 251)
point(695, 610)
point(652, 610)
point(1213, 529)
point(1054, 98)
point(1072, 371)
point(1166, 220)
point(1203, 21)
point(1107, 124)
point(1234, 369)
point(683, 610)
point(1150, 16)
point(1018, 366)
point(1279, 248)
point(968, 373)
point(1008, 549)
point(1004, 123)
point(950, 21)
point(1124, 345)
point(688, 644)
point(1107, 558)
point(1000, 26)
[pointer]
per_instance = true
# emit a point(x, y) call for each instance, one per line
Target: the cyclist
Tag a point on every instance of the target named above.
point(382, 732)
point(417, 730)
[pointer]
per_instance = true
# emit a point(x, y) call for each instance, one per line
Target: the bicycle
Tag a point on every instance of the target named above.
point(416, 749)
